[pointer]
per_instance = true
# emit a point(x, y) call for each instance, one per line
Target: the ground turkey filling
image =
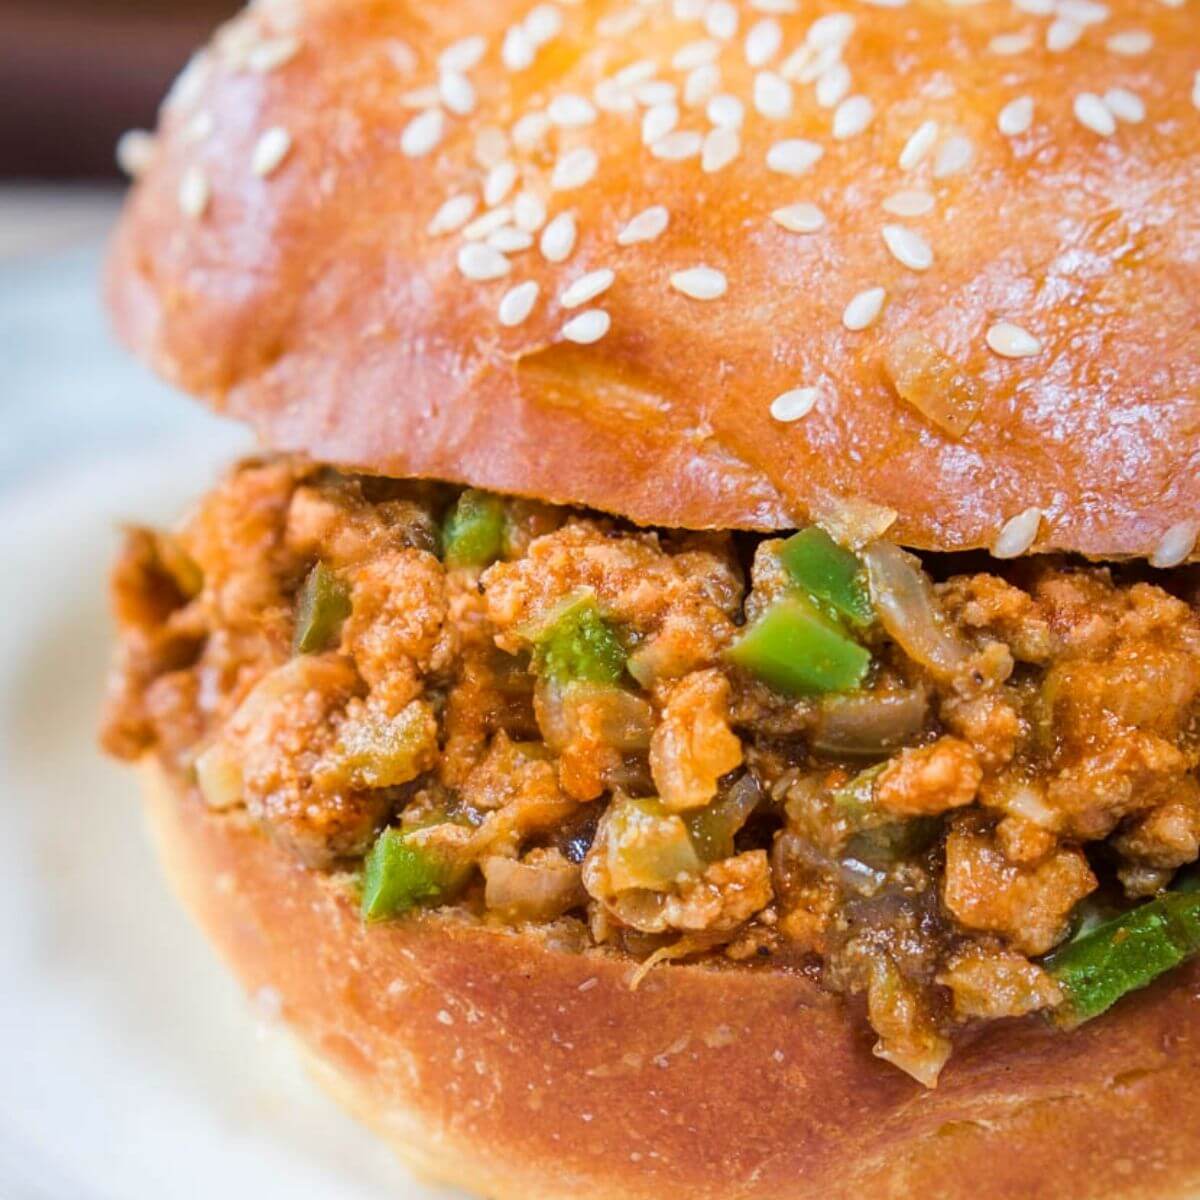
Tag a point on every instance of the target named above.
point(563, 734)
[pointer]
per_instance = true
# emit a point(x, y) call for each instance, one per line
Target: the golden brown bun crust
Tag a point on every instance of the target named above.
point(314, 304)
point(498, 1063)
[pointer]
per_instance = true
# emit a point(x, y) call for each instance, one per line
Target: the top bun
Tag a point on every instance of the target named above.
point(1018, 182)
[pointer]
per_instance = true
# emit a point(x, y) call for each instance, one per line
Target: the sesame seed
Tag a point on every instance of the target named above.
point(588, 327)
point(190, 82)
point(423, 133)
point(772, 95)
point(1062, 34)
point(833, 86)
point(833, 30)
point(574, 169)
point(462, 55)
point(700, 283)
point(1125, 105)
point(272, 54)
point(423, 97)
point(910, 202)
point(610, 96)
point(452, 215)
point(774, 6)
point(721, 147)
point(1130, 44)
point(488, 223)
point(1176, 545)
point(194, 192)
point(1093, 113)
point(695, 54)
point(688, 10)
point(799, 218)
point(491, 146)
point(700, 84)
point(806, 64)
point(918, 146)
point(571, 111)
point(721, 20)
point(658, 121)
point(1018, 534)
point(636, 72)
point(542, 23)
point(530, 130)
point(1008, 45)
point(135, 151)
point(1196, 90)
point(479, 261)
point(792, 405)
point(954, 157)
point(529, 212)
point(1016, 116)
point(763, 42)
point(517, 50)
point(645, 227)
point(558, 238)
point(795, 156)
point(499, 182)
point(457, 92)
point(508, 239)
point(1011, 341)
point(726, 112)
point(587, 287)
point(1035, 8)
point(908, 247)
point(1083, 12)
point(675, 147)
point(655, 91)
point(270, 150)
point(863, 310)
point(200, 126)
point(851, 117)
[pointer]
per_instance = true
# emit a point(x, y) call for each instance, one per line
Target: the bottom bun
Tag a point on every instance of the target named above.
point(515, 1068)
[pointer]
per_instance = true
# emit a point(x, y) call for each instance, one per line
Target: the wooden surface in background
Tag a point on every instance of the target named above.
point(75, 73)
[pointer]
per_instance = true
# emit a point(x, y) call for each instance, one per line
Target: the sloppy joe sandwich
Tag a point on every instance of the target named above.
point(700, 691)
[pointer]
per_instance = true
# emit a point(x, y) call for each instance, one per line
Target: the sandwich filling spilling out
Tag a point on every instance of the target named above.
point(953, 789)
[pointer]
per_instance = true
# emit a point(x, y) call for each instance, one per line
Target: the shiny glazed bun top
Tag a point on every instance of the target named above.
point(918, 266)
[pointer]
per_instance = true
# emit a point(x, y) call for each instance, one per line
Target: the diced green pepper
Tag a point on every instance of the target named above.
point(473, 535)
point(856, 800)
point(378, 751)
point(829, 573)
point(878, 838)
point(713, 827)
point(1124, 954)
point(798, 650)
point(323, 605)
point(648, 847)
point(400, 874)
point(579, 646)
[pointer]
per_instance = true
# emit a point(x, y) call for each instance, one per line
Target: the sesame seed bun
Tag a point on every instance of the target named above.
point(1017, 190)
point(501, 1062)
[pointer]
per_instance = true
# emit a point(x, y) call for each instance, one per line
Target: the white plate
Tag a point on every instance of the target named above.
point(131, 1068)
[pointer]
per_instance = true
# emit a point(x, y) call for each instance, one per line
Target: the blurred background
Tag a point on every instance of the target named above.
point(74, 75)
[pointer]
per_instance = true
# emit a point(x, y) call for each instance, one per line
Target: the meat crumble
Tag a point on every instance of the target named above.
point(541, 714)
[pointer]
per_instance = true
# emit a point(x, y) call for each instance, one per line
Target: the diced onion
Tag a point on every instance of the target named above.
point(219, 777)
point(531, 891)
point(908, 610)
point(933, 383)
point(869, 724)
